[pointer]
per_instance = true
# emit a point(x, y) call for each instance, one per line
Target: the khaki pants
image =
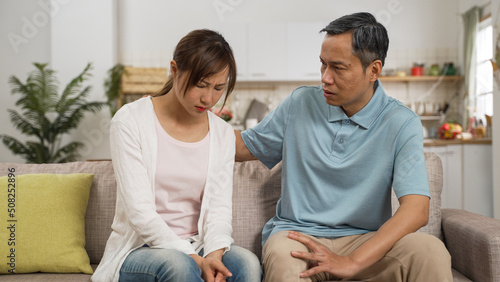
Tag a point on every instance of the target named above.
point(416, 257)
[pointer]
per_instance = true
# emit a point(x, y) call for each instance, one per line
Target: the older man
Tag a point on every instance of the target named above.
point(344, 146)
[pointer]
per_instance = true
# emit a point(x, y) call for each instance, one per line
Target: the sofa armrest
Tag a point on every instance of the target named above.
point(473, 241)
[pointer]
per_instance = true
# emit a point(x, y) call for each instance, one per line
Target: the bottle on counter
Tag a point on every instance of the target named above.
point(470, 127)
point(480, 130)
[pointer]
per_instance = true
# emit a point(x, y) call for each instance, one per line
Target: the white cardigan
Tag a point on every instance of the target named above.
point(136, 222)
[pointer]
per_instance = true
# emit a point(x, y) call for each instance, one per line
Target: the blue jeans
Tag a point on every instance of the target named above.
point(147, 264)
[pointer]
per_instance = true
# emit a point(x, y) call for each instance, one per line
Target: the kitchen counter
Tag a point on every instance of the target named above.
point(441, 142)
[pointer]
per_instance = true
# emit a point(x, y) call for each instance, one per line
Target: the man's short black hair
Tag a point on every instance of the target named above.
point(369, 37)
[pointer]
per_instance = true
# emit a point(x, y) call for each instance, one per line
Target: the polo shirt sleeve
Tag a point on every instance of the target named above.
point(410, 170)
point(265, 140)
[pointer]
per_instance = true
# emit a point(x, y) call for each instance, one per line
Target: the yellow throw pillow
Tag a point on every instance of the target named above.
point(42, 223)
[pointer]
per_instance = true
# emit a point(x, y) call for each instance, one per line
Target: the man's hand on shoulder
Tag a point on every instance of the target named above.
point(242, 152)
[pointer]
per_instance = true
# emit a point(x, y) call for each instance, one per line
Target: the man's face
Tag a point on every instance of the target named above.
point(345, 83)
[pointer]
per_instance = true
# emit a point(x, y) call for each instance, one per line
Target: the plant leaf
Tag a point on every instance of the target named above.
point(73, 88)
point(14, 145)
point(64, 123)
point(23, 125)
point(113, 86)
point(40, 153)
point(68, 153)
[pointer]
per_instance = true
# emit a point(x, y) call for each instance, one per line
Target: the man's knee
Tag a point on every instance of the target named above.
point(279, 246)
point(425, 248)
point(279, 265)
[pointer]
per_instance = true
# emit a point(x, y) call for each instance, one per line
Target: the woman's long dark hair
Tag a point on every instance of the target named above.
point(200, 54)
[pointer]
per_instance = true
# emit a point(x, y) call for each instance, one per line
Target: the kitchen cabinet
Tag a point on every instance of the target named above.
point(478, 178)
point(467, 176)
point(303, 49)
point(451, 157)
point(275, 51)
point(236, 35)
point(266, 51)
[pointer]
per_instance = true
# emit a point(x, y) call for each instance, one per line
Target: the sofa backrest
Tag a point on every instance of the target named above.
point(256, 191)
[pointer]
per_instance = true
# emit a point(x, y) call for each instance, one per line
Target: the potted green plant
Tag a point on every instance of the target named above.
point(47, 116)
point(113, 86)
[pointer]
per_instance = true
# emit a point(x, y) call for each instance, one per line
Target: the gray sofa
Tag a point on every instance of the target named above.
point(473, 240)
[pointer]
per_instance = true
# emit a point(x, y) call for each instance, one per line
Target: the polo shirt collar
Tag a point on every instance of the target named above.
point(367, 115)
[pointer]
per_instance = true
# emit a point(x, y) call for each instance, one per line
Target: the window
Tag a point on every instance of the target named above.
point(484, 70)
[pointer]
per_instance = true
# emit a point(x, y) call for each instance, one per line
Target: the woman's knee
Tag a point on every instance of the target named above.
point(243, 264)
point(177, 261)
point(163, 264)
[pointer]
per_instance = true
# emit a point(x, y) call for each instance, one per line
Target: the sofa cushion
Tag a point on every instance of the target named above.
point(45, 223)
point(256, 191)
point(102, 198)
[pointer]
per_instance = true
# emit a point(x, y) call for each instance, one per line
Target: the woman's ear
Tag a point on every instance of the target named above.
point(374, 70)
point(173, 69)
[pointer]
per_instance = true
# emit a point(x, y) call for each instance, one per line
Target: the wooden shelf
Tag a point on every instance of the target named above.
point(443, 142)
point(143, 80)
point(423, 78)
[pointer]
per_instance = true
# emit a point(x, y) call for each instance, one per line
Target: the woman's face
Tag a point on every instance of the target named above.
point(204, 95)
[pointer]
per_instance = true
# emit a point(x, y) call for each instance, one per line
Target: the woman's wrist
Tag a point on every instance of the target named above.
point(216, 254)
point(198, 259)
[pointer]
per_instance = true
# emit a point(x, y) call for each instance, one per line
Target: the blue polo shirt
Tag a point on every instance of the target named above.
point(338, 171)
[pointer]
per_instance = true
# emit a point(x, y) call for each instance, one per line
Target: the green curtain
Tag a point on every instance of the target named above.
point(470, 21)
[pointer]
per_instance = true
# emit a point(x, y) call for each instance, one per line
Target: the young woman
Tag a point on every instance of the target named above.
point(173, 161)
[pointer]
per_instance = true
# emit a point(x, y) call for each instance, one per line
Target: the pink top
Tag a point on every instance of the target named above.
point(181, 171)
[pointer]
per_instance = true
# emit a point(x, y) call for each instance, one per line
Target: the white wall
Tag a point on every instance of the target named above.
point(24, 39)
point(150, 29)
point(85, 31)
point(67, 34)
point(423, 31)
point(79, 31)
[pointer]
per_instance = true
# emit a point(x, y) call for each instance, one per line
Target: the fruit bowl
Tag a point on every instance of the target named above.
point(449, 131)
